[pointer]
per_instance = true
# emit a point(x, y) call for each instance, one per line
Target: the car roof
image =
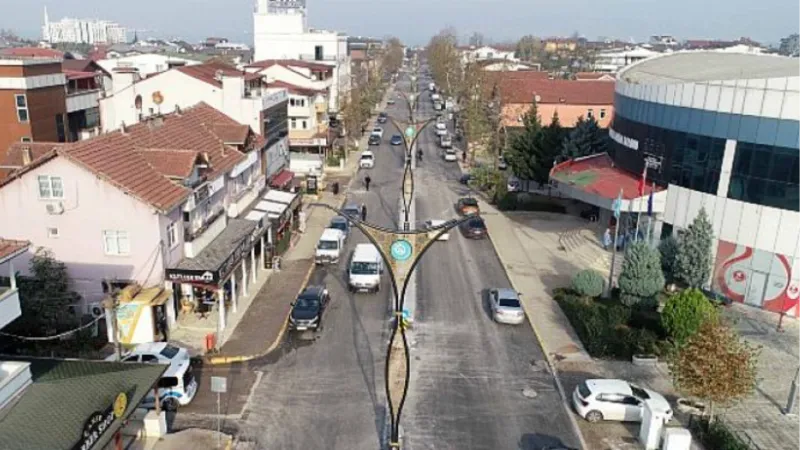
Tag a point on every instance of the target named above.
point(367, 153)
point(313, 292)
point(331, 233)
point(609, 385)
point(149, 347)
point(506, 293)
point(468, 201)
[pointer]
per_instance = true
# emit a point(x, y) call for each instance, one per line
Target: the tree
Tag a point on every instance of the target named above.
point(641, 277)
point(684, 314)
point(790, 45)
point(587, 138)
point(392, 59)
point(715, 365)
point(528, 48)
point(476, 39)
point(490, 180)
point(445, 60)
point(525, 148)
point(588, 283)
point(45, 295)
point(552, 137)
point(668, 248)
point(693, 261)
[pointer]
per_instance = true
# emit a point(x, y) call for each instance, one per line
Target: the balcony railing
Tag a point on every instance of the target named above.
point(195, 242)
point(83, 99)
point(312, 57)
point(9, 302)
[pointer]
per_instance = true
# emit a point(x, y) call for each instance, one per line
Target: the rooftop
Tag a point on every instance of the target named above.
point(33, 52)
point(295, 89)
point(699, 66)
point(219, 250)
point(11, 248)
point(210, 72)
point(310, 65)
point(525, 86)
point(597, 174)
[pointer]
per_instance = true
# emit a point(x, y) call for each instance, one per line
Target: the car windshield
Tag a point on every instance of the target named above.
point(376, 130)
point(366, 156)
point(509, 302)
point(364, 268)
point(170, 351)
point(469, 202)
point(339, 225)
point(328, 245)
point(477, 223)
point(584, 391)
point(639, 392)
point(306, 303)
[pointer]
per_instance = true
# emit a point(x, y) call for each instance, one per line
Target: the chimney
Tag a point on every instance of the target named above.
point(26, 155)
point(123, 128)
point(178, 110)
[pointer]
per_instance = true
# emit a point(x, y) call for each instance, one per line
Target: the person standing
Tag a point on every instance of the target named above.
point(367, 181)
point(607, 239)
point(363, 213)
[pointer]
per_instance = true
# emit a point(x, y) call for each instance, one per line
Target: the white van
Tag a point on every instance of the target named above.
point(365, 270)
point(367, 160)
point(329, 246)
point(177, 387)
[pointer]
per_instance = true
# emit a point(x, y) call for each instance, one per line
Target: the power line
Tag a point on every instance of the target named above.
point(51, 338)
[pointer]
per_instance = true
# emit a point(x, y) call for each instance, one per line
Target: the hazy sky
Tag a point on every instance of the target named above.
point(414, 21)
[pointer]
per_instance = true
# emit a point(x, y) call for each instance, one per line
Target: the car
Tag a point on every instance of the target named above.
point(433, 223)
point(474, 228)
point(513, 184)
point(382, 117)
point(341, 223)
point(618, 400)
point(154, 352)
point(390, 101)
point(440, 129)
point(396, 139)
point(467, 205)
point(445, 141)
point(366, 160)
point(377, 131)
point(501, 163)
point(450, 155)
point(506, 307)
point(308, 308)
point(465, 179)
point(353, 210)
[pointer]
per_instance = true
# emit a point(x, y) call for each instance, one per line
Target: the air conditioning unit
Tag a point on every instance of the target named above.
point(96, 310)
point(55, 208)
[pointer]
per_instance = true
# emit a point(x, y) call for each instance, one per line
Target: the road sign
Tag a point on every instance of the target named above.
point(219, 385)
point(410, 131)
point(401, 250)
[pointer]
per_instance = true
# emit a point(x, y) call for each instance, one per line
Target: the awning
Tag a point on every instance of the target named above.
point(280, 197)
point(274, 210)
point(255, 215)
point(282, 179)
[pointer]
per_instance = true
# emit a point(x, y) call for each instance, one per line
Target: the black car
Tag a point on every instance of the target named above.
point(374, 140)
point(307, 310)
point(474, 228)
point(382, 117)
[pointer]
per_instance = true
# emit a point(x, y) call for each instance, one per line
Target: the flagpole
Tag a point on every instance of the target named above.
point(641, 198)
point(650, 214)
point(614, 248)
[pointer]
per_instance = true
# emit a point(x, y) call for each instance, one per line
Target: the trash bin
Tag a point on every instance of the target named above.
point(211, 342)
point(336, 188)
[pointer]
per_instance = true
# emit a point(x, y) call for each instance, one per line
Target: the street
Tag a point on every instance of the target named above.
point(326, 391)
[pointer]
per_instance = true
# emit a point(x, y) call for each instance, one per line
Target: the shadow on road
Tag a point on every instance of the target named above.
point(538, 441)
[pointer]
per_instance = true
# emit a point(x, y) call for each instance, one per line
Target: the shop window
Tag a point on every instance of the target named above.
point(22, 107)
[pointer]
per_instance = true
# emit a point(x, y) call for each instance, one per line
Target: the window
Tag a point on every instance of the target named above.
point(50, 187)
point(25, 139)
point(149, 359)
point(291, 102)
point(167, 382)
point(52, 232)
point(294, 123)
point(172, 235)
point(602, 113)
point(590, 113)
point(22, 107)
point(116, 242)
point(62, 134)
point(305, 125)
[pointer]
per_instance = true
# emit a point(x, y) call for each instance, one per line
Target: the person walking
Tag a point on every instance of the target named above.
point(367, 181)
point(363, 213)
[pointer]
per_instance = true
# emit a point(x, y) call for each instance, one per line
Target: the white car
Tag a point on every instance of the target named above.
point(450, 155)
point(445, 141)
point(367, 160)
point(377, 131)
point(618, 400)
point(154, 352)
point(441, 129)
point(432, 234)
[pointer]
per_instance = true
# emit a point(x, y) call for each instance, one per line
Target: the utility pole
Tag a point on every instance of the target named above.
point(792, 394)
point(112, 305)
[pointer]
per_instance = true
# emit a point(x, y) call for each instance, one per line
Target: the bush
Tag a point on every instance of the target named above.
point(714, 434)
point(523, 201)
point(685, 312)
point(641, 277)
point(588, 283)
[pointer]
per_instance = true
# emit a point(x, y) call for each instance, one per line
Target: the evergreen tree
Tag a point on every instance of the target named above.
point(523, 155)
point(552, 136)
point(587, 138)
point(693, 261)
point(641, 277)
point(669, 251)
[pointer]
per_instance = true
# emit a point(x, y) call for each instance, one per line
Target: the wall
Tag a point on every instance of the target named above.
point(277, 157)
point(567, 114)
point(91, 206)
point(147, 64)
point(296, 45)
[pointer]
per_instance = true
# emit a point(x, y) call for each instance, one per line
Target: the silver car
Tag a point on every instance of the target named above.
point(506, 307)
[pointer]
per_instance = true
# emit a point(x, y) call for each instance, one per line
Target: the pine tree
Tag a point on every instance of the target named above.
point(552, 136)
point(587, 138)
point(523, 155)
point(693, 261)
point(641, 277)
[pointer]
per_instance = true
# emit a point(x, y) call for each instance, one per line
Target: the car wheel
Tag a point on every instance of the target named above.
point(170, 404)
point(594, 416)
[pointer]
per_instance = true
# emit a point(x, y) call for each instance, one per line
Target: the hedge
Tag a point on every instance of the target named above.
point(522, 201)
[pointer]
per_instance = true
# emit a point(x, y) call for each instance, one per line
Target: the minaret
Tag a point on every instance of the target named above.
point(46, 27)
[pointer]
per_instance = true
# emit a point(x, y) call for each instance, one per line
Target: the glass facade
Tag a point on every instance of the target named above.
point(766, 175)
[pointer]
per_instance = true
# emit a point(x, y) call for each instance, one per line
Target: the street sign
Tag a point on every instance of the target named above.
point(410, 131)
point(219, 385)
point(401, 250)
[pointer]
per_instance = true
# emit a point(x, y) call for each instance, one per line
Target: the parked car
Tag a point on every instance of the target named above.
point(450, 155)
point(390, 101)
point(429, 224)
point(474, 228)
point(154, 352)
point(374, 140)
point(465, 179)
point(340, 223)
point(377, 131)
point(607, 399)
point(467, 205)
point(353, 210)
point(501, 163)
point(382, 117)
point(441, 128)
point(513, 184)
point(506, 307)
point(396, 139)
point(445, 141)
point(308, 309)
point(367, 160)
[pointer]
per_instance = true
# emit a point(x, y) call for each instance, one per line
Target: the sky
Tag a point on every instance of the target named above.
point(415, 21)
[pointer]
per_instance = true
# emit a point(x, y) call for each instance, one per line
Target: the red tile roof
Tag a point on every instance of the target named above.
point(9, 248)
point(597, 174)
point(13, 156)
point(295, 89)
point(231, 134)
point(171, 163)
point(118, 158)
point(310, 65)
point(33, 52)
point(523, 87)
point(207, 72)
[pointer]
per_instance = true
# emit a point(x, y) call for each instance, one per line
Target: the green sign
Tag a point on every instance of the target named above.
point(410, 131)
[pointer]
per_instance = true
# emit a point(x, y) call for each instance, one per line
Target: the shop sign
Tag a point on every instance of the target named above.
point(192, 276)
point(235, 257)
point(631, 143)
point(316, 142)
point(97, 424)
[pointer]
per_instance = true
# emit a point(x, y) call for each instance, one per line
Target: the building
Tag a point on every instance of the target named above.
point(242, 96)
point(280, 31)
point(504, 65)
point(665, 40)
point(146, 64)
point(594, 76)
point(614, 60)
point(570, 99)
point(560, 45)
point(474, 54)
point(720, 132)
point(81, 31)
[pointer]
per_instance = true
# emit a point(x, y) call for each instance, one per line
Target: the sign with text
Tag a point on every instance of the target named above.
point(99, 422)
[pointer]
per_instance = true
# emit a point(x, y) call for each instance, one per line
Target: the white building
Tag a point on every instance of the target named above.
point(242, 96)
point(614, 60)
point(472, 54)
point(80, 31)
point(147, 64)
point(281, 32)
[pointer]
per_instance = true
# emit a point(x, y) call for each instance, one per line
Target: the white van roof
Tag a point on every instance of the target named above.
point(366, 252)
point(331, 234)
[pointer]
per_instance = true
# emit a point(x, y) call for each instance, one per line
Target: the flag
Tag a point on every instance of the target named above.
point(618, 205)
point(642, 181)
point(650, 201)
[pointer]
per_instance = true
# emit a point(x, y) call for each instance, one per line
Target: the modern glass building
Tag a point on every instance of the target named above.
point(720, 131)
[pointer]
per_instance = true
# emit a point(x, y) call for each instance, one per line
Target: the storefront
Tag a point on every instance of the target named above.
point(282, 209)
point(212, 282)
point(282, 180)
point(142, 315)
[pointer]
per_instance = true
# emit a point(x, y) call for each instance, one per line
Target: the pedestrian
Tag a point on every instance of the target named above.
point(363, 213)
point(464, 156)
point(367, 181)
point(607, 239)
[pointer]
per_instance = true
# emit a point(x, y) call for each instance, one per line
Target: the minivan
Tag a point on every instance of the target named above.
point(366, 267)
point(329, 246)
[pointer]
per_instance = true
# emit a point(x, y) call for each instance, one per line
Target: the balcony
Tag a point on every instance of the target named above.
point(312, 57)
point(80, 99)
point(242, 200)
point(9, 302)
point(195, 242)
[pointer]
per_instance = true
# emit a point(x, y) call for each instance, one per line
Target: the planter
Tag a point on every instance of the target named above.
point(644, 360)
point(692, 407)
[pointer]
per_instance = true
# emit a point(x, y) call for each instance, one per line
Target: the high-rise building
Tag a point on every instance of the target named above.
point(80, 31)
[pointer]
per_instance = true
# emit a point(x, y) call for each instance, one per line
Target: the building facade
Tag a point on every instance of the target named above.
point(80, 31)
point(720, 131)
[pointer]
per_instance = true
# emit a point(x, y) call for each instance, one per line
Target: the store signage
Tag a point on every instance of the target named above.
point(192, 276)
point(631, 143)
point(316, 142)
point(236, 256)
point(97, 424)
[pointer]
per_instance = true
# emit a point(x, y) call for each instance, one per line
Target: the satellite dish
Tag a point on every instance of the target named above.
point(158, 98)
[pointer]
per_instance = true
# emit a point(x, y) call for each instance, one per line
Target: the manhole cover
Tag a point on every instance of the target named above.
point(529, 393)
